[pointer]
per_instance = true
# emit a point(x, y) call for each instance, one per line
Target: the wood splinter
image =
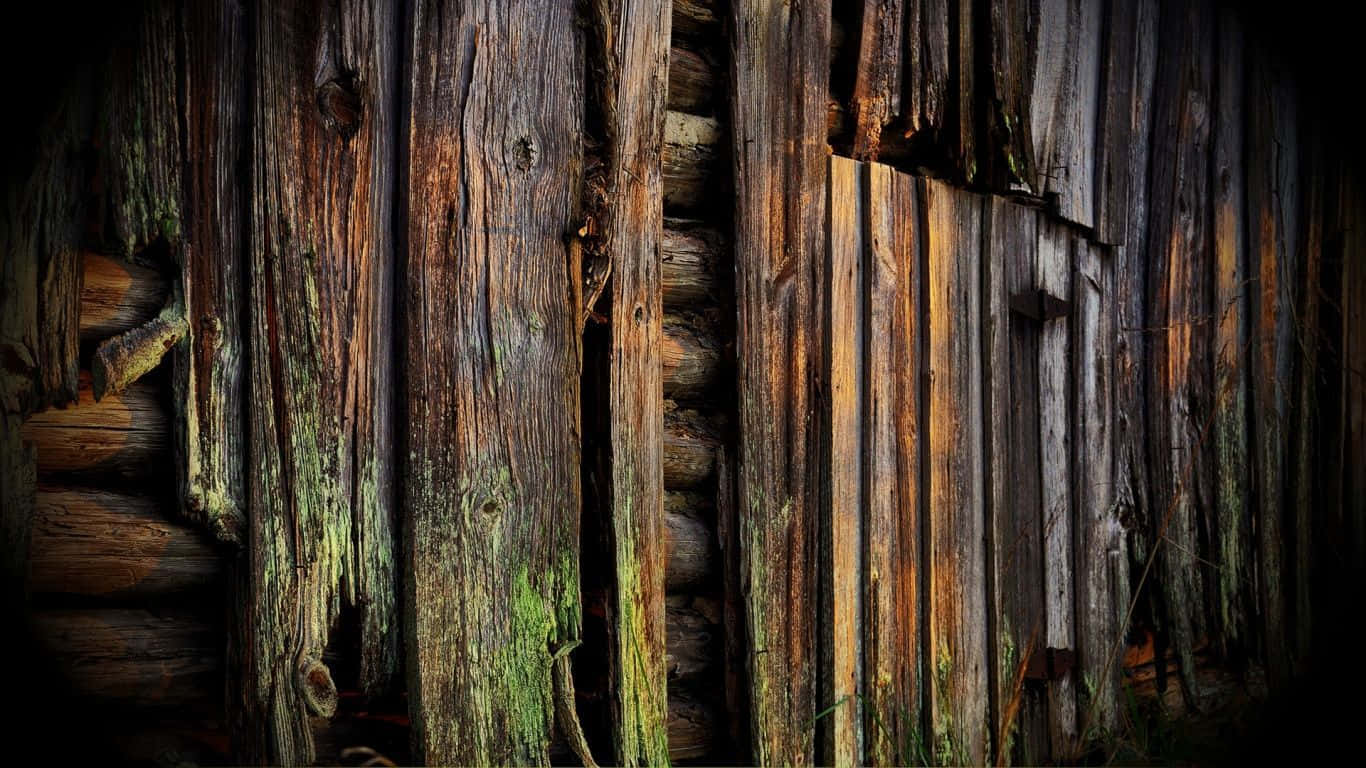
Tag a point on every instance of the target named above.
point(123, 359)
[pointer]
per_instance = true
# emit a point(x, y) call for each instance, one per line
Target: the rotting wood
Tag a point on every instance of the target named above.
point(1055, 276)
point(116, 547)
point(1114, 120)
point(779, 91)
point(1232, 532)
point(956, 601)
point(877, 78)
point(892, 424)
point(630, 56)
point(117, 296)
point(1063, 105)
point(123, 439)
point(121, 360)
point(320, 379)
point(493, 359)
point(210, 439)
point(134, 658)
point(841, 523)
point(1179, 322)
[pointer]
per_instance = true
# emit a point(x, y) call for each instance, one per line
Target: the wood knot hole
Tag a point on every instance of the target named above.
point(340, 105)
point(317, 689)
point(524, 152)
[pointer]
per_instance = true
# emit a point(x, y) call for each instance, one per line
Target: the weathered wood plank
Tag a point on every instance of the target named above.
point(1013, 455)
point(689, 358)
point(690, 444)
point(133, 658)
point(116, 547)
point(1055, 267)
point(1009, 157)
point(891, 425)
point(695, 19)
point(117, 296)
point(842, 476)
point(207, 369)
point(1102, 588)
point(1063, 105)
point(929, 98)
point(320, 376)
point(779, 91)
point(1178, 316)
point(122, 439)
point(492, 491)
point(957, 616)
point(877, 77)
point(692, 83)
point(631, 53)
point(1232, 531)
point(691, 261)
point(1114, 120)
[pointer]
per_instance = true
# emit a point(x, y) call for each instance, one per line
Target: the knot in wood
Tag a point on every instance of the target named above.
point(316, 688)
point(524, 152)
point(340, 105)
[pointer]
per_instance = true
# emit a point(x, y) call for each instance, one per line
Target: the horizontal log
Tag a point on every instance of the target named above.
point(695, 19)
point(115, 546)
point(117, 296)
point(692, 83)
point(133, 658)
point(690, 261)
point(691, 358)
point(692, 727)
point(690, 442)
point(691, 545)
point(693, 638)
point(689, 159)
point(123, 437)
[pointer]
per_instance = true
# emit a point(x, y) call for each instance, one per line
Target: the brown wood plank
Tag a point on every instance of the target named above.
point(631, 49)
point(123, 438)
point(207, 368)
point(492, 491)
point(1019, 720)
point(117, 296)
point(841, 521)
point(1232, 531)
point(877, 76)
point(1179, 274)
point(116, 547)
point(779, 82)
point(957, 616)
point(1056, 405)
point(1114, 119)
point(320, 377)
point(892, 470)
point(1008, 158)
point(928, 100)
point(1063, 105)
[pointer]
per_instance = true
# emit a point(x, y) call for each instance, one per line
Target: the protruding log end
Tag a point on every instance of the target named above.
point(125, 358)
point(317, 689)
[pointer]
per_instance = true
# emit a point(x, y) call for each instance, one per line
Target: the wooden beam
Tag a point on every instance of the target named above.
point(123, 438)
point(1114, 119)
point(492, 488)
point(877, 76)
point(779, 80)
point(690, 261)
point(689, 362)
point(117, 296)
point(1063, 105)
point(320, 379)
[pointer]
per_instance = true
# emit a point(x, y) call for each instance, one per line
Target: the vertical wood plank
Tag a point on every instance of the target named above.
point(320, 531)
point(842, 519)
point(928, 98)
point(207, 367)
point(1016, 518)
point(1114, 120)
point(1009, 156)
point(491, 495)
point(779, 92)
point(1354, 368)
point(1055, 266)
point(957, 558)
point(877, 79)
point(1063, 105)
point(1232, 531)
point(632, 52)
point(892, 471)
point(1101, 586)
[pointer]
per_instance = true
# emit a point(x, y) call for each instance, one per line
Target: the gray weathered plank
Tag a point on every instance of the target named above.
point(1063, 104)
point(1114, 120)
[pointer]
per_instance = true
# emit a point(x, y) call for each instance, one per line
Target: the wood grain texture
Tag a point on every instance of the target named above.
point(491, 495)
point(123, 439)
point(117, 296)
point(779, 91)
point(841, 534)
point(1178, 316)
point(956, 610)
point(877, 78)
point(690, 542)
point(691, 260)
point(1114, 120)
point(1232, 532)
point(892, 432)
point(320, 376)
point(116, 547)
point(1063, 104)
point(1008, 159)
point(689, 363)
point(1015, 473)
point(207, 368)
point(691, 441)
point(692, 82)
point(690, 160)
point(1054, 275)
point(631, 51)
